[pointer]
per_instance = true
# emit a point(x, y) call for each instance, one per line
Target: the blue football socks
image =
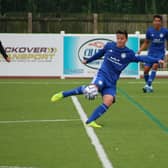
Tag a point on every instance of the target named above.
point(76, 91)
point(100, 110)
point(151, 77)
point(146, 77)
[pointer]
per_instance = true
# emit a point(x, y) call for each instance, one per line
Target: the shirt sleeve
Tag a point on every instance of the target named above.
point(146, 59)
point(2, 51)
point(97, 55)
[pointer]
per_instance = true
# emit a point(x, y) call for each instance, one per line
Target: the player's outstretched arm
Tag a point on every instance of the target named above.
point(96, 56)
point(148, 59)
point(3, 52)
point(143, 46)
point(8, 59)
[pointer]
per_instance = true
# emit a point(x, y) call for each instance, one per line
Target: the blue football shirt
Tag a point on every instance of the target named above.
point(116, 60)
point(157, 40)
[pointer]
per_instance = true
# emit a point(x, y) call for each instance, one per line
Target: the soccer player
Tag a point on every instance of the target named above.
point(155, 39)
point(3, 52)
point(116, 58)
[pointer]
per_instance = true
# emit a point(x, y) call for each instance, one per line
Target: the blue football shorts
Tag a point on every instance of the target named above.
point(105, 86)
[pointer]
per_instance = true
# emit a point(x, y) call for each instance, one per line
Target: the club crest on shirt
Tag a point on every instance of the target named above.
point(123, 55)
point(100, 82)
point(161, 35)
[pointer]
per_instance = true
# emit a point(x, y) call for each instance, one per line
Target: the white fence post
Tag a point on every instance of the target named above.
point(62, 32)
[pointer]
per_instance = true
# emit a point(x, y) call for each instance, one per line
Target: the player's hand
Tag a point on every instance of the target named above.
point(84, 62)
point(161, 62)
point(139, 52)
point(8, 59)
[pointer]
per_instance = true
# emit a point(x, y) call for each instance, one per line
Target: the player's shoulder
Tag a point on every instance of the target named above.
point(129, 51)
point(110, 44)
point(163, 29)
point(150, 29)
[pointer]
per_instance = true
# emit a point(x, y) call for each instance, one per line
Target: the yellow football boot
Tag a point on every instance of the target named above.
point(56, 97)
point(94, 125)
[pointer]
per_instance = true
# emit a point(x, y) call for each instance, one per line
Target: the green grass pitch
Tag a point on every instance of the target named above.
point(134, 133)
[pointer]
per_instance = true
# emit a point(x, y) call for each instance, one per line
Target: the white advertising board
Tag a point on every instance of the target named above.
point(78, 47)
point(32, 55)
point(57, 55)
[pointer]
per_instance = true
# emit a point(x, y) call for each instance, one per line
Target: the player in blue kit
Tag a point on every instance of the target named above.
point(116, 58)
point(155, 39)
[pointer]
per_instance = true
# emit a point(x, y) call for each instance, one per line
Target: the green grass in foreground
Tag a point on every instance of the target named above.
point(130, 137)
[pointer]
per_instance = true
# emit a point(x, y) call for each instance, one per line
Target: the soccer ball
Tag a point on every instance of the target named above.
point(91, 92)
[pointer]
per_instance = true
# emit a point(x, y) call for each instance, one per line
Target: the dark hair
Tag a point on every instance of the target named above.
point(122, 32)
point(158, 16)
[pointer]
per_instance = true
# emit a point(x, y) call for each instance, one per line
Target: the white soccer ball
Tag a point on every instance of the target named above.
point(91, 92)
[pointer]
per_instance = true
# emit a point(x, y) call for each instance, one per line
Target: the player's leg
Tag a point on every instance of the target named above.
point(152, 76)
point(147, 68)
point(153, 72)
point(146, 73)
point(108, 100)
point(76, 91)
point(100, 110)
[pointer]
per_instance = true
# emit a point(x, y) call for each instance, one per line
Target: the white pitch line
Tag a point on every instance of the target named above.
point(38, 83)
point(92, 135)
point(37, 121)
point(15, 167)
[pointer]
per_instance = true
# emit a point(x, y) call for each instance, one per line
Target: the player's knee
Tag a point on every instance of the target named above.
point(108, 101)
point(155, 67)
point(146, 69)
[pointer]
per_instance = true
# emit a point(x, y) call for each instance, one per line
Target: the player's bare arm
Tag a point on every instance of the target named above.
point(144, 46)
point(3, 52)
point(161, 61)
point(84, 61)
point(8, 59)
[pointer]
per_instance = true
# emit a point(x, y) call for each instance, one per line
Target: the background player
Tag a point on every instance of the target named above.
point(116, 58)
point(3, 52)
point(155, 39)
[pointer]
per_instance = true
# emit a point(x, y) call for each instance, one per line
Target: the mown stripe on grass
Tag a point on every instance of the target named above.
point(145, 111)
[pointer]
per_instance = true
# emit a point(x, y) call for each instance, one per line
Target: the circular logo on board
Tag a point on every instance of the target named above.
point(89, 48)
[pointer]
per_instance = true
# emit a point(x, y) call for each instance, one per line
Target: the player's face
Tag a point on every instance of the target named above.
point(157, 23)
point(121, 40)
